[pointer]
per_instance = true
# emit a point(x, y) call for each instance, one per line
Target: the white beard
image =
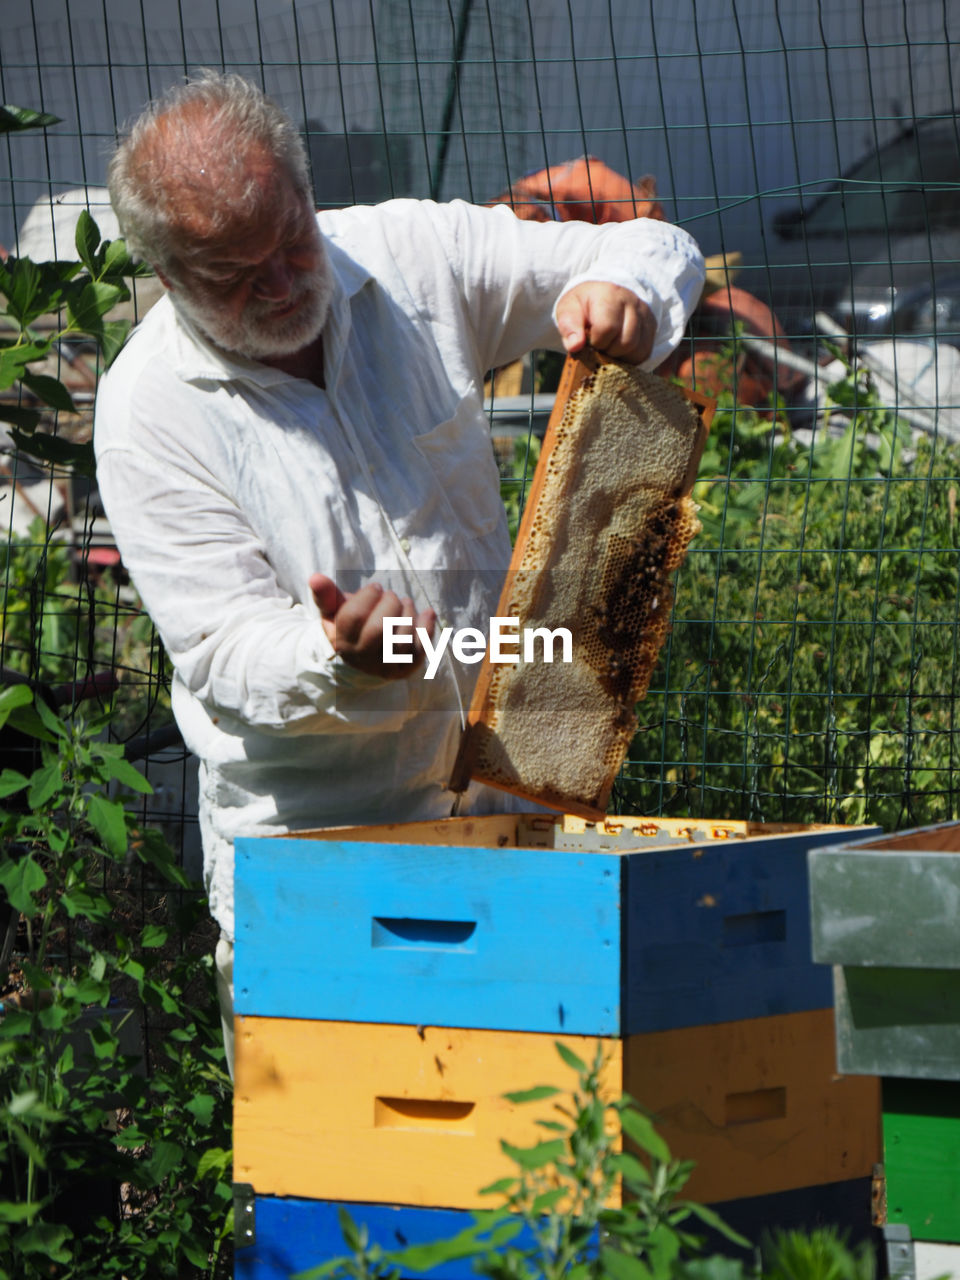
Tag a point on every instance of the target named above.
point(260, 334)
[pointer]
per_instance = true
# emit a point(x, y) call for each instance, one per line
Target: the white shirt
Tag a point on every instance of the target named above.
point(228, 483)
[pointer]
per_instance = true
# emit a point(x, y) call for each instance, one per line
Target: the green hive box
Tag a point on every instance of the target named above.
point(885, 912)
point(921, 1155)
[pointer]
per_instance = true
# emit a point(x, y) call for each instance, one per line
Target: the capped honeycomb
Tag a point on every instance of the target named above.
point(608, 522)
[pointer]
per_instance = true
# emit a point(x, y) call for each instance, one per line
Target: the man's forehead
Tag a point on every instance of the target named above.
point(229, 204)
point(244, 233)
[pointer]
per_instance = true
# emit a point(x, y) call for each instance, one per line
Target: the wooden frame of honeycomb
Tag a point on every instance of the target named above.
point(608, 521)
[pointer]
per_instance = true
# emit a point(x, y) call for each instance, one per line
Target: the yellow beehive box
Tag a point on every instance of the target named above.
point(414, 1115)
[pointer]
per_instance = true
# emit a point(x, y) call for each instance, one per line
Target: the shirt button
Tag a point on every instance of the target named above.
point(404, 544)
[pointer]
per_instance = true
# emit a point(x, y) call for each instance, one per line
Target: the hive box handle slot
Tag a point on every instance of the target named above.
point(754, 926)
point(756, 1105)
point(408, 934)
point(423, 1113)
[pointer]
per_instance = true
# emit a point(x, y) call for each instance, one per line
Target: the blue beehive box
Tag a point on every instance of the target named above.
point(633, 928)
point(531, 923)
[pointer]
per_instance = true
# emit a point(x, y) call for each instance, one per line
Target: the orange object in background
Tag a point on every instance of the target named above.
point(582, 190)
point(588, 190)
point(756, 377)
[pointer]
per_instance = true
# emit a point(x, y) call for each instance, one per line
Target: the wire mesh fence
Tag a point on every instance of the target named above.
point(813, 149)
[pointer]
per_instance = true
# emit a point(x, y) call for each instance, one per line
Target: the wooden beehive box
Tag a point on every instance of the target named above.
point(393, 983)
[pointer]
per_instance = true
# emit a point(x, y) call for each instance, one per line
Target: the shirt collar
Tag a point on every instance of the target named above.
point(196, 359)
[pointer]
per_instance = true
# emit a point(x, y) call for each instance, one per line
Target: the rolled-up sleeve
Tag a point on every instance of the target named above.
point(513, 274)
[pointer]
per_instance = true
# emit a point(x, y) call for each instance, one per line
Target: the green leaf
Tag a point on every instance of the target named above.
point(165, 1158)
point(20, 879)
point(46, 1238)
point(87, 240)
point(570, 1058)
point(116, 258)
point(90, 990)
point(639, 1129)
point(20, 283)
point(15, 695)
point(154, 935)
point(50, 719)
point(91, 906)
point(108, 819)
point(130, 1138)
point(125, 773)
point(132, 968)
point(548, 1200)
point(533, 1095)
point(28, 1144)
point(58, 452)
point(151, 848)
point(713, 1219)
point(45, 782)
point(21, 1103)
point(349, 1230)
point(424, 1257)
point(55, 1016)
point(13, 119)
point(25, 718)
point(19, 1211)
point(201, 1108)
point(214, 1160)
point(50, 390)
point(502, 1187)
point(630, 1167)
point(11, 782)
point(717, 1267)
point(15, 358)
point(113, 334)
point(95, 299)
point(196, 1254)
point(618, 1266)
point(24, 420)
point(537, 1156)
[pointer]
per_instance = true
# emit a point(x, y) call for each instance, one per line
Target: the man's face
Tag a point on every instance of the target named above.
point(262, 287)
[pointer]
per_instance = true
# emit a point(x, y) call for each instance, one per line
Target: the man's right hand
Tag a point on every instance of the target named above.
point(354, 625)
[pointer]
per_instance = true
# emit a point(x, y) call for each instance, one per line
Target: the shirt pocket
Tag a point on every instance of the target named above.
point(459, 453)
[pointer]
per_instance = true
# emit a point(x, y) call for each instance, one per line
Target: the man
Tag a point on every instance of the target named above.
point(292, 447)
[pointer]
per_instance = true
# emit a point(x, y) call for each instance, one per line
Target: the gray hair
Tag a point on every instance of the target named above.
point(159, 171)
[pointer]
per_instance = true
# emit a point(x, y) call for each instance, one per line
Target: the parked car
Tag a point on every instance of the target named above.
point(879, 250)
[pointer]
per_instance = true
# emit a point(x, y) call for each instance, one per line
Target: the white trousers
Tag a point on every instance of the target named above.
point(223, 957)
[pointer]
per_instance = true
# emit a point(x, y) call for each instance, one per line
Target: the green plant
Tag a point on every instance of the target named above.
point(558, 1218)
point(822, 1254)
point(52, 626)
point(73, 299)
point(115, 1160)
point(811, 673)
point(515, 480)
point(50, 623)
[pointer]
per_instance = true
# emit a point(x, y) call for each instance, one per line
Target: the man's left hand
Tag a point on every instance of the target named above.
point(608, 318)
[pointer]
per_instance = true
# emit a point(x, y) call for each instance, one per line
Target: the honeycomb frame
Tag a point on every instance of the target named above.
point(607, 523)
